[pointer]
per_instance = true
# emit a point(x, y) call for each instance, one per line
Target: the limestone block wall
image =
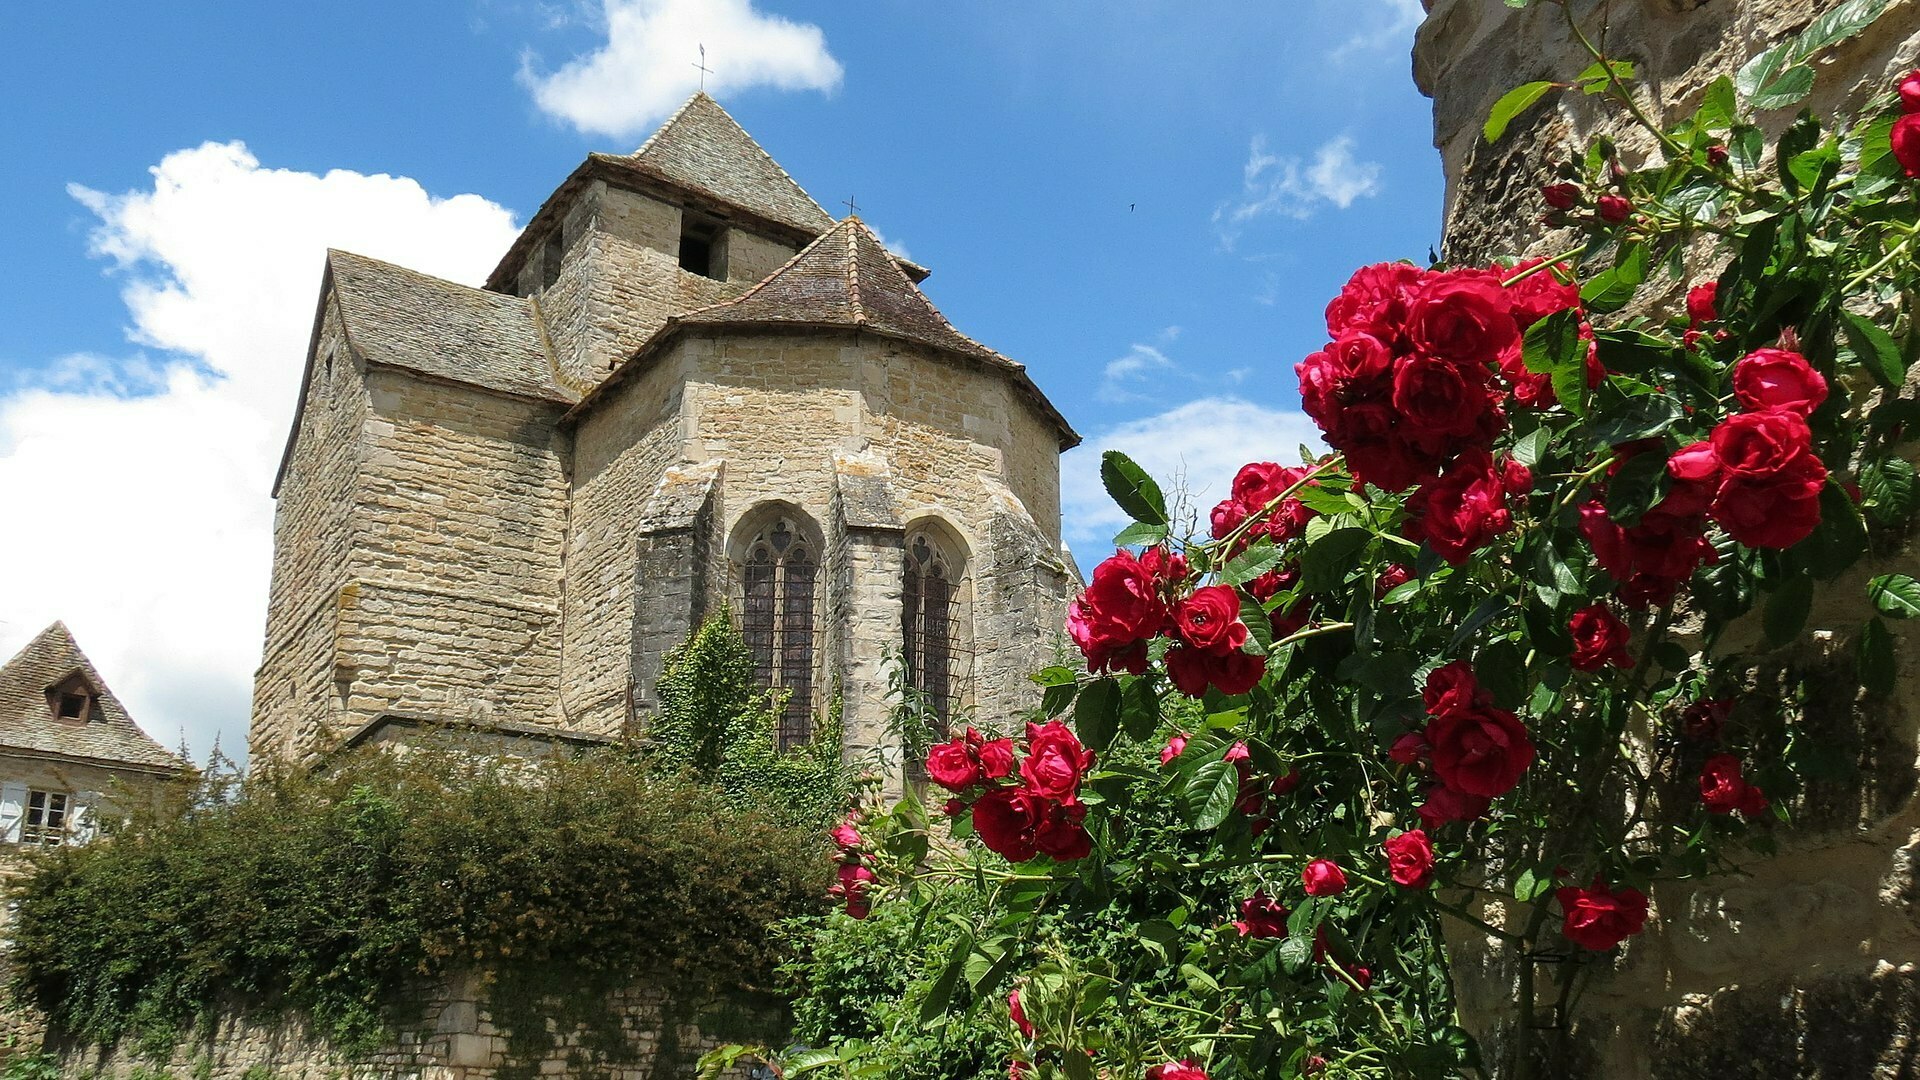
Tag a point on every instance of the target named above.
point(452, 602)
point(313, 538)
point(638, 1032)
point(620, 279)
point(1809, 965)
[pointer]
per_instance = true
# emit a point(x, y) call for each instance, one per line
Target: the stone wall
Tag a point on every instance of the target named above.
point(1806, 966)
point(457, 1032)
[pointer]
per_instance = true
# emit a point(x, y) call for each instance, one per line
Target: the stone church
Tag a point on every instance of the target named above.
point(685, 388)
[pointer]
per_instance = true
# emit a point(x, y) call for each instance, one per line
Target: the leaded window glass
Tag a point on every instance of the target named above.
point(777, 620)
point(930, 611)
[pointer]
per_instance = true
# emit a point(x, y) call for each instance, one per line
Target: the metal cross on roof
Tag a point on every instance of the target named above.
point(852, 207)
point(704, 69)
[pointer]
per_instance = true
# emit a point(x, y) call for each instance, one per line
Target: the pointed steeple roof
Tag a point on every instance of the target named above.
point(108, 737)
point(846, 278)
point(703, 148)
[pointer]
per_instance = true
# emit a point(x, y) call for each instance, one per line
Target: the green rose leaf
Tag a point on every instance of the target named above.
point(1211, 793)
point(1896, 595)
point(1096, 716)
point(1874, 348)
point(1132, 489)
point(1512, 104)
point(1877, 666)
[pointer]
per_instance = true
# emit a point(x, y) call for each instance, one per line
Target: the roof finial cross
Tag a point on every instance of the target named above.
point(704, 69)
point(852, 207)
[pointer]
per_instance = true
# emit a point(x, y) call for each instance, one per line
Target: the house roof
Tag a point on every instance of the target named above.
point(403, 318)
point(703, 148)
point(109, 737)
point(847, 278)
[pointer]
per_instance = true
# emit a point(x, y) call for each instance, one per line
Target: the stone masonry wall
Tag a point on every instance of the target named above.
point(638, 1033)
point(1809, 965)
point(453, 599)
point(312, 541)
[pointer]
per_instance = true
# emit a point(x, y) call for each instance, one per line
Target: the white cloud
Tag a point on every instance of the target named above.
point(146, 479)
point(646, 68)
point(1392, 28)
point(1125, 377)
point(1272, 184)
point(1192, 450)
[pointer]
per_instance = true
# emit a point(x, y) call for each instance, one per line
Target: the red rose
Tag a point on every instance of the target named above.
point(1005, 820)
point(1059, 832)
point(1409, 749)
point(846, 835)
point(1705, 719)
point(1210, 619)
point(1112, 620)
point(1390, 579)
point(1723, 790)
point(1778, 512)
point(1541, 292)
point(995, 755)
point(1599, 639)
point(1906, 143)
point(1770, 379)
point(1167, 567)
point(1360, 355)
point(1453, 688)
point(1599, 918)
point(1234, 672)
point(1177, 1070)
point(1174, 748)
point(1614, 209)
point(1560, 196)
point(1910, 92)
point(1465, 508)
point(953, 766)
point(1257, 489)
point(1698, 467)
point(1055, 760)
point(1717, 155)
point(1374, 299)
point(1018, 1015)
point(1760, 445)
point(1444, 804)
point(1461, 316)
point(1700, 300)
point(1480, 750)
point(1323, 877)
point(1409, 859)
point(1261, 917)
point(1653, 558)
point(1439, 397)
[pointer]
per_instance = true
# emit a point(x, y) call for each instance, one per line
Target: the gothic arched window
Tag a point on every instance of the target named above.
point(930, 618)
point(777, 621)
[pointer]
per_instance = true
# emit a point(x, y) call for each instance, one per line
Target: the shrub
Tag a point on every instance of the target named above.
point(332, 893)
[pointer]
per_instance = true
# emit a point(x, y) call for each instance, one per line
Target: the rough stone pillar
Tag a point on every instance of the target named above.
point(866, 548)
point(670, 570)
point(1021, 590)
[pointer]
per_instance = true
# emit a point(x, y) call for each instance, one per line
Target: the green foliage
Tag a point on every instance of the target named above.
point(716, 724)
point(39, 1065)
point(331, 894)
point(706, 687)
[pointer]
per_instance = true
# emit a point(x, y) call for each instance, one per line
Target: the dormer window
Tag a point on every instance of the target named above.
point(703, 246)
point(72, 700)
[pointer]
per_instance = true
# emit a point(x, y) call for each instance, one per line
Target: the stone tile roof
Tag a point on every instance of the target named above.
point(406, 319)
point(847, 278)
point(27, 724)
point(703, 148)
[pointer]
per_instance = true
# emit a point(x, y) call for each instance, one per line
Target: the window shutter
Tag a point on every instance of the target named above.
point(13, 810)
point(80, 824)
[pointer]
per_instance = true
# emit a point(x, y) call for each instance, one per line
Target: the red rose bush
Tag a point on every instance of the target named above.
point(1435, 675)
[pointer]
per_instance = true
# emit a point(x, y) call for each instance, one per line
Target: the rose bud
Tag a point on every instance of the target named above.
point(1614, 209)
point(1717, 155)
point(1560, 196)
point(1323, 877)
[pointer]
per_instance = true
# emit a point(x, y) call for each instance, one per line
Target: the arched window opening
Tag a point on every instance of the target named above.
point(777, 621)
point(930, 618)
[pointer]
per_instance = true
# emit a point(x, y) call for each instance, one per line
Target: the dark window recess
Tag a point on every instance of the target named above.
point(72, 700)
point(703, 248)
point(777, 622)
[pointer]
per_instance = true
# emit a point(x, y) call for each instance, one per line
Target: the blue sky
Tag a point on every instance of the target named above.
point(1148, 204)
